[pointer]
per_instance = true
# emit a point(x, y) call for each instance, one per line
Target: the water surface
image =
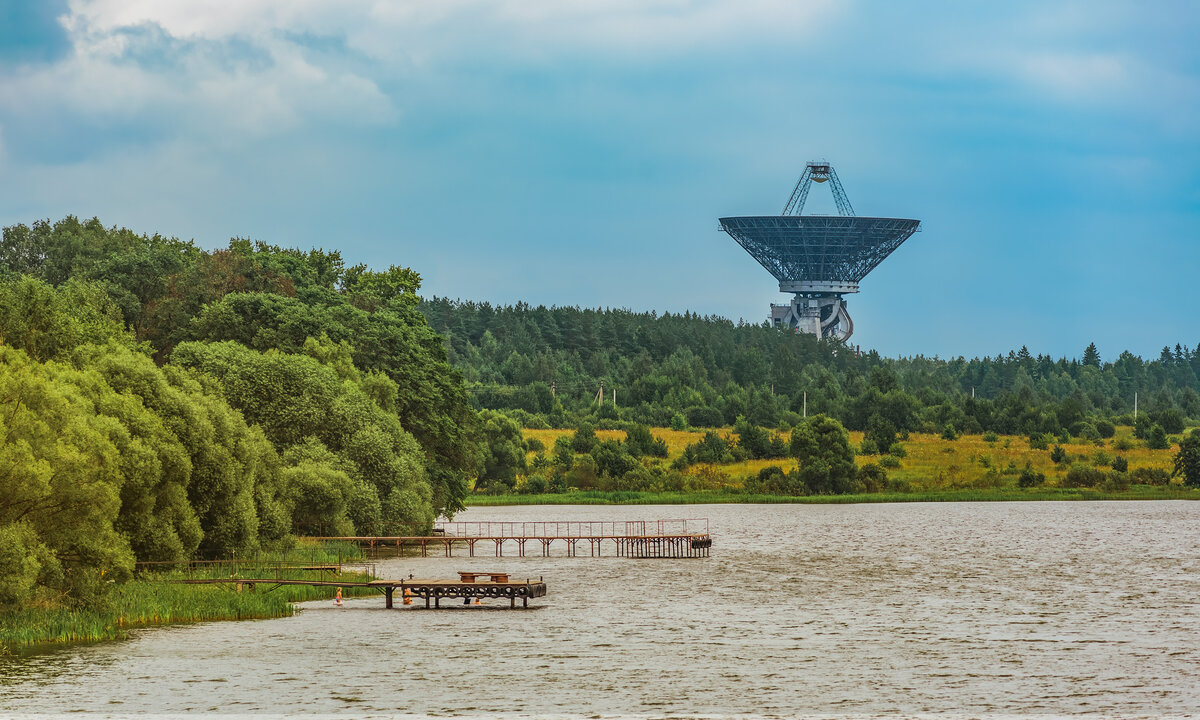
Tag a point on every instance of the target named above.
point(984, 609)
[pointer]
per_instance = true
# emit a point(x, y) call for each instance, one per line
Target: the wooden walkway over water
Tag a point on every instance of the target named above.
point(629, 538)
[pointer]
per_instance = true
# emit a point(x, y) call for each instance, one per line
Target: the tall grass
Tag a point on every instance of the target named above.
point(155, 598)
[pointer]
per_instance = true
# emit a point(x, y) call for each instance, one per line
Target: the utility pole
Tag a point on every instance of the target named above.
point(553, 388)
point(805, 403)
point(1135, 407)
point(614, 397)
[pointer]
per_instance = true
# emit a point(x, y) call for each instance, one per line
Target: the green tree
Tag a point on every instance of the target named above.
point(504, 451)
point(821, 447)
point(1187, 460)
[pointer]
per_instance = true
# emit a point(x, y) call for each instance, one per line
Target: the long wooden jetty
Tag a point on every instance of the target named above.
point(469, 586)
point(626, 538)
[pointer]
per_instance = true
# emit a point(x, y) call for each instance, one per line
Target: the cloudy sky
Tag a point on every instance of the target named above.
point(579, 153)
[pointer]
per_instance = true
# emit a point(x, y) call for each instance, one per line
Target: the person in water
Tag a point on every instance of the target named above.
point(338, 600)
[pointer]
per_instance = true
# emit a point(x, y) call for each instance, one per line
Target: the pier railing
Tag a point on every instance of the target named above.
point(574, 528)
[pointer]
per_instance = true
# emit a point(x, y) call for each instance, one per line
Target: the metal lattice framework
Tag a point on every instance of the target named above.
point(818, 248)
point(818, 171)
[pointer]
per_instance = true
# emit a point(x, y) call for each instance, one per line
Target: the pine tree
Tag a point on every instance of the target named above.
point(1091, 356)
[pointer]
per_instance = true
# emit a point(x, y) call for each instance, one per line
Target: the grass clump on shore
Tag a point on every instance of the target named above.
point(154, 598)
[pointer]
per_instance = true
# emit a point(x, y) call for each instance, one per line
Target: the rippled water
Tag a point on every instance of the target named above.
point(855, 610)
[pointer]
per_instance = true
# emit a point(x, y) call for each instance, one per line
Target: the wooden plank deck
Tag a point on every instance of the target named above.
point(432, 591)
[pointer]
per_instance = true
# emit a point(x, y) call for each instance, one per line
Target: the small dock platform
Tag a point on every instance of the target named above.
point(468, 586)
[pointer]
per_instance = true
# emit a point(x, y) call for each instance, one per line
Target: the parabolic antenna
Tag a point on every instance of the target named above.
point(818, 258)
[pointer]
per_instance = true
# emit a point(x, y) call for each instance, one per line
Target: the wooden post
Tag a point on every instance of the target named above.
point(387, 596)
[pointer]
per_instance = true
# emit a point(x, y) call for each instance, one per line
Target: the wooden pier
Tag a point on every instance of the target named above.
point(631, 538)
point(468, 587)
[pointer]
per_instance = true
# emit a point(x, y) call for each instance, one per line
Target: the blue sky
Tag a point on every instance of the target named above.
point(580, 153)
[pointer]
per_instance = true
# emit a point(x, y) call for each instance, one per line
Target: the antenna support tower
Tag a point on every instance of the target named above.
point(818, 258)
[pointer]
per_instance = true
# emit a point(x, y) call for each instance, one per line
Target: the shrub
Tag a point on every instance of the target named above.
point(1105, 428)
point(889, 461)
point(1151, 476)
point(1029, 478)
point(678, 422)
point(897, 450)
point(1084, 476)
point(1123, 444)
point(1115, 482)
point(534, 445)
point(898, 485)
point(949, 433)
point(536, 484)
point(868, 447)
point(1057, 455)
point(872, 478)
point(1120, 464)
point(1037, 441)
point(584, 439)
point(1170, 419)
point(1156, 438)
point(1102, 459)
point(990, 437)
point(1085, 430)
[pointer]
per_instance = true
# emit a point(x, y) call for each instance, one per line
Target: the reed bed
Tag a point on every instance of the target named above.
point(154, 599)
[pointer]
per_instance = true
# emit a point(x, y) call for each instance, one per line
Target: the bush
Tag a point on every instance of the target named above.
point(889, 461)
point(1156, 438)
point(536, 484)
point(584, 439)
point(872, 478)
point(1058, 455)
point(898, 485)
point(1150, 476)
point(534, 445)
point(949, 433)
point(1028, 478)
point(1170, 419)
point(1120, 464)
point(678, 422)
point(1084, 476)
point(868, 447)
point(1123, 444)
point(990, 437)
point(1105, 428)
point(897, 450)
point(1102, 458)
point(1037, 441)
point(1085, 430)
point(1115, 482)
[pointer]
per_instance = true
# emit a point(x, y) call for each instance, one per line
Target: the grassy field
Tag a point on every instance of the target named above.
point(933, 468)
point(153, 599)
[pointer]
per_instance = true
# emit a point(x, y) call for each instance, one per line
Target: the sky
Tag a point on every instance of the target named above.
point(580, 153)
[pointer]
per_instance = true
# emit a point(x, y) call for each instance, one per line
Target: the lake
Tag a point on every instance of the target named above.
point(986, 609)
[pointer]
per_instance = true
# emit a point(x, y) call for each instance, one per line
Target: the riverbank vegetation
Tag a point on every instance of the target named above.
point(152, 598)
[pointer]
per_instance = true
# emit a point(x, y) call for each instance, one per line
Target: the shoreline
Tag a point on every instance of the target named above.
point(710, 497)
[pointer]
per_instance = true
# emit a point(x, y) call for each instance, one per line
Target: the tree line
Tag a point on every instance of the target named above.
point(545, 366)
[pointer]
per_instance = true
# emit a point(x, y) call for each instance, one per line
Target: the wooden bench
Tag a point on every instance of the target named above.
point(470, 577)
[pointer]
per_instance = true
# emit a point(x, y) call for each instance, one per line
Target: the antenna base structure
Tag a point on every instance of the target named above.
point(819, 259)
